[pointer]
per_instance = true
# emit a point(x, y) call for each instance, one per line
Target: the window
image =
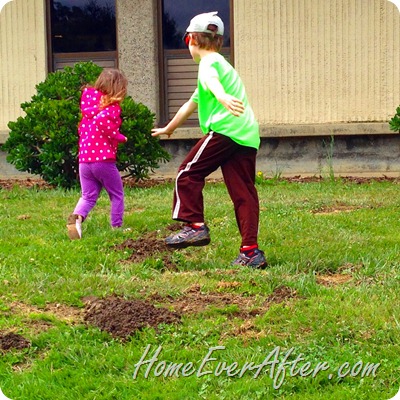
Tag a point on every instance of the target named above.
point(178, 13)
point(178, 71)
point(82, 30)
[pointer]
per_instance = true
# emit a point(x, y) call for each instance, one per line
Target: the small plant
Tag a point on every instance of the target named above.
point(44, 142)
point(262, 178)
point(395, 121)
point(329, 157)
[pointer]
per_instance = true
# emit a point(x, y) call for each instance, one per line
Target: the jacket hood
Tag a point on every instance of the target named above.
point(90, 102)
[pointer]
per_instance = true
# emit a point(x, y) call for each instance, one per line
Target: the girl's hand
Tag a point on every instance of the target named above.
point(161, 131)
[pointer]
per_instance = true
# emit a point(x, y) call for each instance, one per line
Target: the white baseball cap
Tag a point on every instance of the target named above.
point(200, 23)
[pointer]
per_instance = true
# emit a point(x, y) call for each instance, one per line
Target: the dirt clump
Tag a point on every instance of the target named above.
point(12, 340)
point(281, 294)
point(121, 318)
point(150, 246)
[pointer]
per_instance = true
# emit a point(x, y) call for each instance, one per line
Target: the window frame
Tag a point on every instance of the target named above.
point(102, 58)
point(165, 54)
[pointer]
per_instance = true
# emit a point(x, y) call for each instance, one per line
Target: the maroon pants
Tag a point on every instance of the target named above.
point(238, 164)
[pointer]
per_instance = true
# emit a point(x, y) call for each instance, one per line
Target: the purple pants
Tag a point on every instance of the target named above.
point(95, 176)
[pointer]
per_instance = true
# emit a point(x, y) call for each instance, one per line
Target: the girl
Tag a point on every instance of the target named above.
point(99, 136)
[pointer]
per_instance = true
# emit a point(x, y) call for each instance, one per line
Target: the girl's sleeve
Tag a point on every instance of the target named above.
point(109, 121)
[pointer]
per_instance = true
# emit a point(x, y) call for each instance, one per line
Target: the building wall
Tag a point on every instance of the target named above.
point(302, 61)
point(22, 54)
point(317, 61)
point(310, 67)
point(138, 49)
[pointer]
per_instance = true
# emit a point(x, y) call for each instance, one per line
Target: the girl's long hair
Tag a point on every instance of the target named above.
point(113, 84)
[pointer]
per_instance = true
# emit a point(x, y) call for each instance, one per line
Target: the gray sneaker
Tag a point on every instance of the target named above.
point(256, 260)
point(189, 236)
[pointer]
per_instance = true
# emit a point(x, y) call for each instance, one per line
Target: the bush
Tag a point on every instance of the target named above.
point(395, 121)
point(45, 141)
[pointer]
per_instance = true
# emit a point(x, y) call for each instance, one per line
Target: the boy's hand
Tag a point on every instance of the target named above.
point(232, 104)
point(161, 131)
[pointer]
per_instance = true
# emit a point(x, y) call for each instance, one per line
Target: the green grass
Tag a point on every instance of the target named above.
point(351, 324)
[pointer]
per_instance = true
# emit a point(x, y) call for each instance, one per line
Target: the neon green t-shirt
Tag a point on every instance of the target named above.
point(213, 116)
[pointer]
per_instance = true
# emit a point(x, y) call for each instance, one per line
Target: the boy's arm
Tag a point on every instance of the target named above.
point(231, 103)
point(180, 117)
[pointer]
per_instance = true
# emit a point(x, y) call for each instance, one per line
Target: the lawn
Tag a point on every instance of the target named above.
point(116, 315)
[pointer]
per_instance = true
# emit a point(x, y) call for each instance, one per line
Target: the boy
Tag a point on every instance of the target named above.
point(231, 142)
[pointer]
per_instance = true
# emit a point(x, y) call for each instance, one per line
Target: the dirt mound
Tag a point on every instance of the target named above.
point(121, 317)
point(150, 246)
point(11, 340)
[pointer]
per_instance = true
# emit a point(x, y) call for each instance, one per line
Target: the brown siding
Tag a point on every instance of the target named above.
point(181, 81)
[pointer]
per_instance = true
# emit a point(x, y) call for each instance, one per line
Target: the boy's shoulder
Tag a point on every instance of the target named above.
point(213, 56)
point(212, 59)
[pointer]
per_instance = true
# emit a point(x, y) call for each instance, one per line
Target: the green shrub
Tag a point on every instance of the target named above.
point(395, 121)
point(44, 142)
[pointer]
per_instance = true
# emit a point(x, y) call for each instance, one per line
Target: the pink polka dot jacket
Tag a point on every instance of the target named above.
point(98, 130)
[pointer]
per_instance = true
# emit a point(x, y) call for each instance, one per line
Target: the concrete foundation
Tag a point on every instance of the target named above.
point(312, 156)
point(363, 149)
point(368, 149)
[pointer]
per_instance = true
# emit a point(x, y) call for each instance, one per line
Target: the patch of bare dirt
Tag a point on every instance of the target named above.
point(148, 246)
point(344, 274)
point(281, 294)
point(347, 179)
point(27, 183)
point(121, 318)
point(39, 183)
point(9, 341)
point(333, 279)
point(146, 183)
point(193, 301)
point(228, 285)
point(151, 182)
point(62, 312)
point(335, 209)
point(247, 331)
